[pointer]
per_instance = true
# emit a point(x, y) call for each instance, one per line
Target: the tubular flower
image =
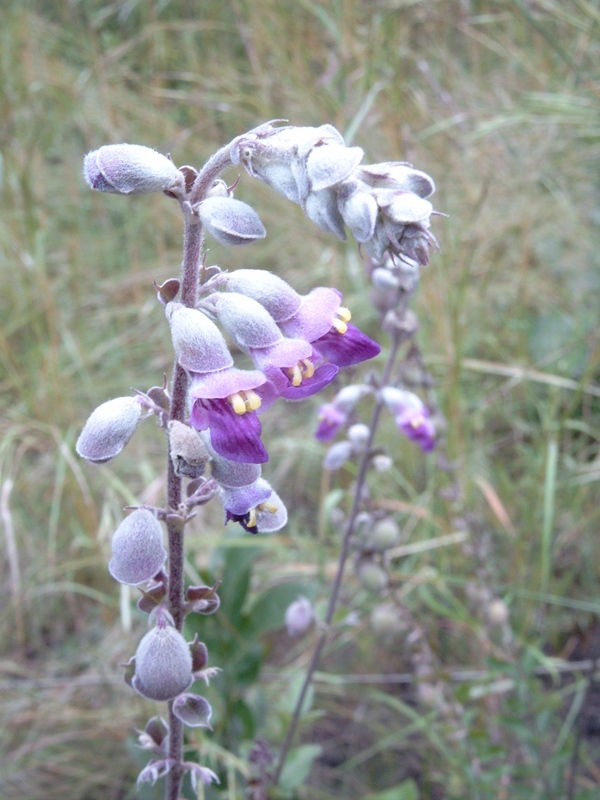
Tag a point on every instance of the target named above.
point(287, 363)
point(224, 399)
point(335, 414)
point(317, 317)
point(246, 497)
point(412, 416)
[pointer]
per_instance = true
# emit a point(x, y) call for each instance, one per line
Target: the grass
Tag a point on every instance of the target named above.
point(499, 102)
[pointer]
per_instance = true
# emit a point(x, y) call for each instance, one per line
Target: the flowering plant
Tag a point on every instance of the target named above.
point(211, 411)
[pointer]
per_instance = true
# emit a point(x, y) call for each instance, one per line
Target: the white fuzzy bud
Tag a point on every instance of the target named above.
point(108, 429)
point(130, 169)
point(137, 549)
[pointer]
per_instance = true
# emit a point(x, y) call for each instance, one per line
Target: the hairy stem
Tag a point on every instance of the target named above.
point(344, 552)
point(192, 254)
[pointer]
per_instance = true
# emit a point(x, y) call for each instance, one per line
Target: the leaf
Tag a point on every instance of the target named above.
point(298, 765)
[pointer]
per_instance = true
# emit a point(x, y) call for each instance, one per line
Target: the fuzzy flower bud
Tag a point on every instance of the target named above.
point(299, 616)
point(137, 549)
point(231, 221)
point(130, 169)
point(108, 429)
point(163, 663)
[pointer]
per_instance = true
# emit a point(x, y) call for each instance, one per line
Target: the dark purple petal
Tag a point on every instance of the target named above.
point(331, 420)
point(416, 426)
point(234, 436)
point(322, 377)
point(344, 349)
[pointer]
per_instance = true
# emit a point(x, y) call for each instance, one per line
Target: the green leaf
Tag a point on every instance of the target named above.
point(407, 790)
point(298, 765)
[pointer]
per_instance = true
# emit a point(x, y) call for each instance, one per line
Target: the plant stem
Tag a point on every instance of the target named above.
point(344, 552)
point(192, 254)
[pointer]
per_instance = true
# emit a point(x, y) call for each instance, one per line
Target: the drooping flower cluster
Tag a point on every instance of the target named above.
point(384, 206)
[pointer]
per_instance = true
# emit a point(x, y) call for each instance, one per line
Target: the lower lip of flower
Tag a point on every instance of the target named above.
point(303, 369)
point(266, 506)
point(245, 401)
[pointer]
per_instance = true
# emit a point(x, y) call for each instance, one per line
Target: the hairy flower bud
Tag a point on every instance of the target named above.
point(137, 549)
point(231, 221)
point(337, 455)
point(299, 616)
point(108, 429)
point(198, 343)
point(163, 663)
point(372, 577)
point(130, 169)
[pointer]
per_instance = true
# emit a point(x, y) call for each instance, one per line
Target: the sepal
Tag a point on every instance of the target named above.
point(193, 710)
point(154, 737)
point(203, 599)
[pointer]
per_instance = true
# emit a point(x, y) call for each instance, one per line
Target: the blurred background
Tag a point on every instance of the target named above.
point(499, 561)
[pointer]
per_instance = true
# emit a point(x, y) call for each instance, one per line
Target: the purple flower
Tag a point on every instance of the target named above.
point(246, 497)
point(317, 317)
point(412, 416)
point(288, 363)
point(335, 414)
point(224, 398)
point(226, 402)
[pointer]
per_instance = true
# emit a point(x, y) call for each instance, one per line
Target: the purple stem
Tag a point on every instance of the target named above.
point(345, 550)
point(192, 254)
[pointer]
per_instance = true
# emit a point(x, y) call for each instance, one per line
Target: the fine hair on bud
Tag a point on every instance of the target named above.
point(137, 549)
point(108, 429)
point(163, 664)
point(130, 169)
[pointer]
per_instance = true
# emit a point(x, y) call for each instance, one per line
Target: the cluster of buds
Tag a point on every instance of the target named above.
point(384, 206)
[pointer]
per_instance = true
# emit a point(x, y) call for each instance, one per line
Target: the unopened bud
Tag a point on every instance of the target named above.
point(372, 577)
point(299, 616)
point(130, 169)
point(108, 429)
point(163, 664)
point(359, 435)
point(383, 535)
point(497, 612)
point(337, 455)
point(198, 343)
point(137, 549)
point(231, 221)
point(386, 621)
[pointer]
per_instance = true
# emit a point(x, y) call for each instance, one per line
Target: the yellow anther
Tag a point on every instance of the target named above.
point(340, 326)
point(251, 518)
point(417, 422)
point(295, 375)
point(270, 507)
point(309, 369)
point(344, 313)
point(237, 401)
point(252, 400)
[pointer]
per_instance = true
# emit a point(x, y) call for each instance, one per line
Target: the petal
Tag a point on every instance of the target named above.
point(331, 164)
point(240, 500)
point(285, 353)
point(344, 349)
point(224, 382)
point(331, 420)
point(315, 315)
point(322, 377)
point(271, 291)
point(235, 436)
